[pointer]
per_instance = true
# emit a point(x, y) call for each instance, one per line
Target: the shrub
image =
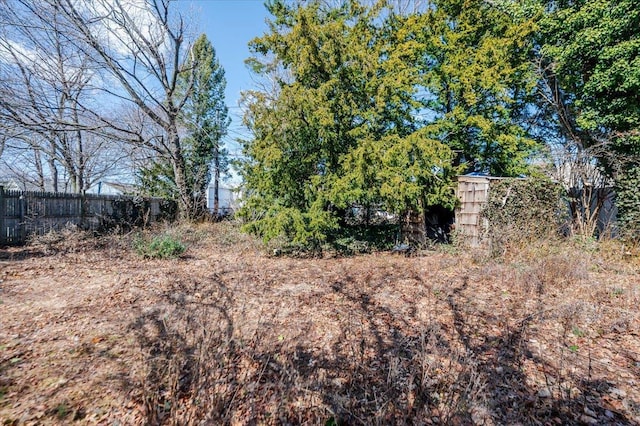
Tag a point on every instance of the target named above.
point(522, 210)
point(159, 247)
point(628, 203)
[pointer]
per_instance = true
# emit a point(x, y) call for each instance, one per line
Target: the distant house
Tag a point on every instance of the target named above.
point(9, 184)
point(15, 183)
point(228, 196)
point(228, 199)
point(112, 188)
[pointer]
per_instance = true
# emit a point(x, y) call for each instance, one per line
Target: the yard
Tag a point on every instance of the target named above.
point(91, 333)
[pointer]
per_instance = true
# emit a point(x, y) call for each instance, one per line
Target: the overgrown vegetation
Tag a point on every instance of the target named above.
point(381, 106)
point(520, 211)
point(544, 334)
point(628, 203)
point(344, 241)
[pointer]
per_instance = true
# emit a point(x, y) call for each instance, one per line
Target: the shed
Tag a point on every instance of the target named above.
point(473, 193)
point(112, 188)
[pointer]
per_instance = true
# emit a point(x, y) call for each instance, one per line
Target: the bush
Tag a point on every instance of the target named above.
point(628, 203)
point(521, 210)
point(159, 247)
point(361, 238)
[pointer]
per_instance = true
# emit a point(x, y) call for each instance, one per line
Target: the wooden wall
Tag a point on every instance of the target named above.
point(473, 193)
point(24, 213)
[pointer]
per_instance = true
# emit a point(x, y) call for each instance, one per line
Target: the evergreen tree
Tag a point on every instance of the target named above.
point(339, 130)
point(479, 81)
point(205, 120)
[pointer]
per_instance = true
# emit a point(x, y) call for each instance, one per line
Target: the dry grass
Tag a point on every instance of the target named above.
point(90, 333)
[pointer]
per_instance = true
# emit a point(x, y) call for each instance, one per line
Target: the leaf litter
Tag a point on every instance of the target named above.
point(93, 334)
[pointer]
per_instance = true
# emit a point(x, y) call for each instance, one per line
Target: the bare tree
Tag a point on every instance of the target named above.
point(45, 81)
point(142, 47)
point(123, 54)
point(580, 157)
point(589, 189)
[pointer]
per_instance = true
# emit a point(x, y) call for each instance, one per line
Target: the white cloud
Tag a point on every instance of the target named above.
point(122, 25)
point(10, 51)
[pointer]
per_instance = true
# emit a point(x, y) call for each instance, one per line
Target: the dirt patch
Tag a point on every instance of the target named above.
point(227, 335)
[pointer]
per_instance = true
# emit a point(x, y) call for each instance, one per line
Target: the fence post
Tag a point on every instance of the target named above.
point(22, 225)
point(83, 212)
point(3, 212)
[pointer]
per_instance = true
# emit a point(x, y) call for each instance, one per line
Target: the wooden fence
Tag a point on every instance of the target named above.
point(25, 213)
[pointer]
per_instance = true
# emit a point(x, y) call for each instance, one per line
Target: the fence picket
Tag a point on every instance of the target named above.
point(3, 232)
point(24, 213)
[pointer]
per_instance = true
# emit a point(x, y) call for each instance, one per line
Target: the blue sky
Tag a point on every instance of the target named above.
point(229, 25)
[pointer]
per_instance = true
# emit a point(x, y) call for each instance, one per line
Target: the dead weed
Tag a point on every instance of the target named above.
point(229, 335)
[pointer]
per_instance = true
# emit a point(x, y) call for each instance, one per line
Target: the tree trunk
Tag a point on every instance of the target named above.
point(216, 180)
point(39, 170)
point(185, 198)
point(80, 176)
point(54, 174)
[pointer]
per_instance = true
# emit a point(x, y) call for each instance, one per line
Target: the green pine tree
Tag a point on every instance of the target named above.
point(204, 118)
point(479, 79)
point(340, 129)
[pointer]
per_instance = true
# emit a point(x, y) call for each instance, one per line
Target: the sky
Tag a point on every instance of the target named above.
point(229, 25)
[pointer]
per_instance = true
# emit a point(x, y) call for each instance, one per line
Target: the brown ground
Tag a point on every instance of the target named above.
point(90, 333)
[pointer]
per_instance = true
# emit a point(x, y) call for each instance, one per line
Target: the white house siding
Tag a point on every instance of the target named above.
point(228, 199)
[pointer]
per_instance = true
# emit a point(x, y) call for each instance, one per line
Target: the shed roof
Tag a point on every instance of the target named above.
point(481, 177)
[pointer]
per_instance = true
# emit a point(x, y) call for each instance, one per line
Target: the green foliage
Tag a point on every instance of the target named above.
point(595, 48)
point(61, 410)
point(480, 81)
point(156, 180)
point(357, 239)
point(577, 332)
point(397, 174)
point(522, 210)
point(345, 125)
point(270, 221)
point(592, 49)
point(159, 247)
point(628, 203)
point(205, 119)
